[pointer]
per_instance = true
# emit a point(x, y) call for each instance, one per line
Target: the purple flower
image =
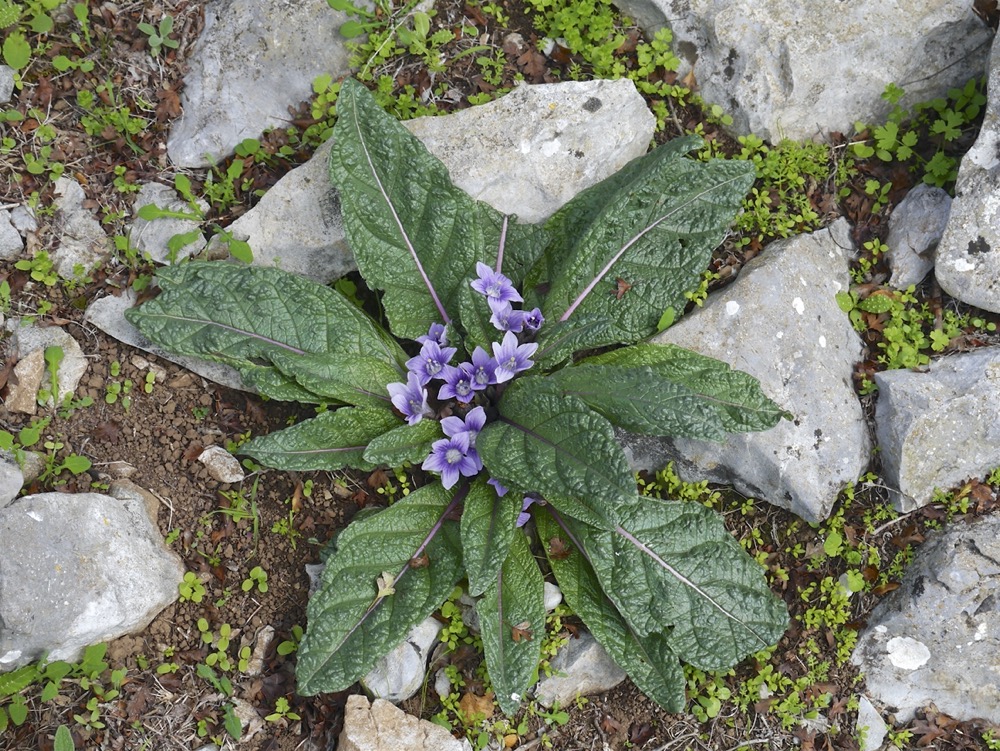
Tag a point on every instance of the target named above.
point(512, 357)
point(506, 318)
point(533, 320)
point(452, 457)
point(501, 490)
point(474, 421)
point(431, 362)
point(523, 517)
point(410, 398)
point(484, 369)
point(458, 384)
point(437, 334)
point(494, 285)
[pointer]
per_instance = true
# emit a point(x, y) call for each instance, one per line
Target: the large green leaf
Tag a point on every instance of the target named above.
point(413, 233)
point(242, 315)
point(557, 447)
point(673, 568)
point(521, 244)
point(648, 660)
point(350, 379)
point(331, 440)
point(406, 443)
point(512, 621)
point(640, 400)
point(558, 340)
point(736, 396)
point(653, 225)
point(488, 526)
point(350, 626)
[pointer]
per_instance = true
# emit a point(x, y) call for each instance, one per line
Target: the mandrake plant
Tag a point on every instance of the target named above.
point(515, 351)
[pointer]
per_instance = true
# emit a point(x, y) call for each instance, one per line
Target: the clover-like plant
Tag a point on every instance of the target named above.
point(507, 394)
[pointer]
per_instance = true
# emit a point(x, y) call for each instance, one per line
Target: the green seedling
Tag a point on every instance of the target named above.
point(191, 589)
point(39, 267)
point(159, 36)
point(256, 578)
point(288, 646)
point(219, 642)
point(282, 712)
point(53, 358)
point(73, 463)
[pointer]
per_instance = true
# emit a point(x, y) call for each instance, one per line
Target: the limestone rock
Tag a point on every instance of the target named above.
point(11, 243)
point(108, 314)
point(82, 241)
point(253, 60)
point(968, 257)
point(552, 596)
point(937, 637)
point(581, 668)
point(915, 229)
point(23, 219)
point(221, 465)
point(400, 674)
point(526, 153)
point(152, 235)
point(938, 426)
point(871, 725)
point(380, 726)
point(11, 478)
point(6, 83)
point(22, 396)
point(29, 340)
point(78, 569)
point(779, 322)
point(772, 65)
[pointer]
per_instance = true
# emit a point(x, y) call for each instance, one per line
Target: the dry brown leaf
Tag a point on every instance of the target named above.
point(476, 708)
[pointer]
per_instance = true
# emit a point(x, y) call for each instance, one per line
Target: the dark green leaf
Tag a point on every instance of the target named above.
point(331, 440)
point(736, 395)
point(350, 379)
point(349, 626)
point(673, 568)
point(652, 225)
point(63, 740)
point(559, 448)
point(558, 340)
point(640, 400)
point(649, 661)
point(475, 314)
point(414, 234)
point(523, 244)
point(232, 723)
point(406, 443)
point(512, 617)
point(488, 525)
point(17, 680)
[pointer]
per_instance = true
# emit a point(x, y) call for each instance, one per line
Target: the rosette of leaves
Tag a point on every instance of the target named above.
point(655, 581)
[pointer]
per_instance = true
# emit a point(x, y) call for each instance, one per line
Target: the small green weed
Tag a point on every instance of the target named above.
point(288, 646)
point(159, 36)
point(256, 578)
point(191, 589)
point(282, 712)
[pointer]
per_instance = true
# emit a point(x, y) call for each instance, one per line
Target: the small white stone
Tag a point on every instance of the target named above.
point(798, 305)
point(822, 342)
point(732, 308)
point(221, 465)
point(906, 653)
point(552, 596)
point(980, 632)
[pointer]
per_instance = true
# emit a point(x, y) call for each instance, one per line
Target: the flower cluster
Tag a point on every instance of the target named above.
point(456, 455)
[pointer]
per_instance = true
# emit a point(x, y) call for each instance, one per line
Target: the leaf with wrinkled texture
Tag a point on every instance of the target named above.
point(673, 568)
point(558, 340)
point(350, 379)
point(488, 525)
point(737, 397)
point(648, 660)
point(640, 400)
point(349, 627)
point(514, 598)
point(331, 440)
point(653, 224)
point(406, 443)
point(559, 448)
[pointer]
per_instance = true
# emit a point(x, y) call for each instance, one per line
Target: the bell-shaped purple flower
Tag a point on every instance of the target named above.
point(410, 398)
point(506, 318)
point(494, 285)
point(451, 457)
point(484, 369)
point(474, 421)
point(458, 384)
point(432, 361)
point(533, 320)
point(512, 357)
point(501, 489)
point(437, 334)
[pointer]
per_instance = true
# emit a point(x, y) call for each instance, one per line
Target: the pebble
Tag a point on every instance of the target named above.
point(221, 465)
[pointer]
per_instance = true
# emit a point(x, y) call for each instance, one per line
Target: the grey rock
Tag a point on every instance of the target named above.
point(870, 725)
point(152, 235)
point(400, 674)
point(939, 426)
point(779, 322)
point(915, 229)
point(11, 478)
point(221, 465)
point(6, 83)
point(82, 241)
point(532, 150)
point(937, 637)
point(22, 395)
point(380, 726)
point(581, 668)
point(315, 573)
point(76, 570)
point(771, 64)
point(108, 314)
point(255, 665)
point(968, 256)
point(253, 60)
point(526, 153)
point(11, 242)
point(552, 596)
point(23, 219)
point(31, 339)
